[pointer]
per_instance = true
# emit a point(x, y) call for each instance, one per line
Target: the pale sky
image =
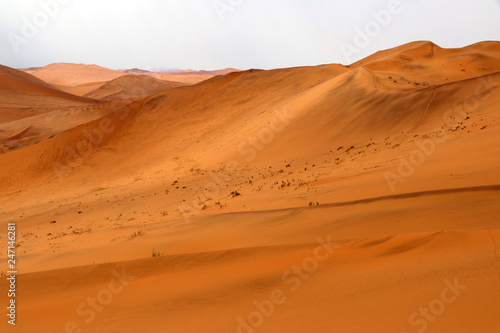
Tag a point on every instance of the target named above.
point(214, 34)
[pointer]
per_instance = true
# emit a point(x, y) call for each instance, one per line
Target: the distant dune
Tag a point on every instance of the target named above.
point(24, 95)
point(203, 72)
point(184, 78)
point(65, 75)
point(32, 110)
point(188, 76)
point(74, 74)
point(181, 72)
point(132, 86)
point(134, 71)
point(81, 89)
point(359, 198)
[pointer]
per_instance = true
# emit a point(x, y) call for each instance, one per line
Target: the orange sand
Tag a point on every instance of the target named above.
point(392, 163)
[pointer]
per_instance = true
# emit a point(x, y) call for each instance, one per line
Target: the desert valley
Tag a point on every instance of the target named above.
point(330, 198)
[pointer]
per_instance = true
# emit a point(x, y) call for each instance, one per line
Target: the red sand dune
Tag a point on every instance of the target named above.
point(81, 89)
point(131, 86)
point(33, 111)
point(194, 72)
point(135, 71)
point(17, 82)
point(74, 74)
point(184, 78)
point(26, 100)
point(188, 76)
point(358, 198)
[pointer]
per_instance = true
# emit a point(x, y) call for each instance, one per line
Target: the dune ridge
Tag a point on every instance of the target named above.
point(74, 74)
point(309, 199)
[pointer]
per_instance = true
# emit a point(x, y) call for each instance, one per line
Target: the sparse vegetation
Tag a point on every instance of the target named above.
point(155, 253)
point(82, 231)
point(137, 234)
point(218, 203)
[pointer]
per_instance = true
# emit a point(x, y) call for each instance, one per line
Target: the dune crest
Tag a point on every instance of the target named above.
point(309, 199)
point(74, 74)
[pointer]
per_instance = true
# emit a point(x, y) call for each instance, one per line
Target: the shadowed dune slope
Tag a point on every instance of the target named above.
point(74, 74)
point(360, 198)
point(81, 89)
point(190, 107)
point(131, 86)
point(15, 82)
point(26, 102)
point(327, 107)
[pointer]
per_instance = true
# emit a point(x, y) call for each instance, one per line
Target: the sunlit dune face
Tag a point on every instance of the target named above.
point(320, 198)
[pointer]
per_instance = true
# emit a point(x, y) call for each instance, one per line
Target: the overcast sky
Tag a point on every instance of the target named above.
point(208, 34)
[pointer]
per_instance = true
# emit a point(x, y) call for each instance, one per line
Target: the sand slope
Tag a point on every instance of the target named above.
point(16, 82)
point(74, 74)
point(131, 86)
point(81, 89)
point(30, 108)
point(184, 78)
point(358, 198)
point(34, 111)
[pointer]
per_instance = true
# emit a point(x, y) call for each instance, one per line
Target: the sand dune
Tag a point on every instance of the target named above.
point(203, 72)
point(359, 198)
point(187, 77)
point(81, 89)
point(28, 101)
point(135, 71)
point(131, 86)
point(126, 83)
point(25, 100)
point(184, 78)
point(16, 82)
point(74, 74)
